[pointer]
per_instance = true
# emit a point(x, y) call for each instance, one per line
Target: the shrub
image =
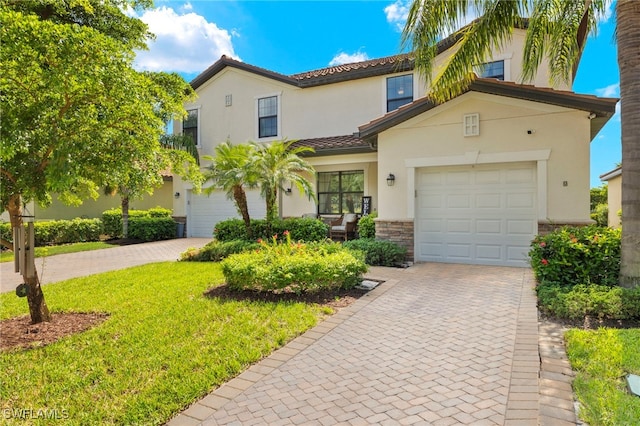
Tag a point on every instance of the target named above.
point(152, 228)
point(298, 267)
point(571, 256)
point(367, 226)
point(378, 252)
point(300, 229)
point(579, 301)
point(112, 219)
point(601, 215)
point(60, 231)
point(216, 251)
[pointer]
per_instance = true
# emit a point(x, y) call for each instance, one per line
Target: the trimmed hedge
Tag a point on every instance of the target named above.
point(215, 251)
point(571, 256)
point(112, 220)
point(580, 301)
point(378, 252)
point(300, 229)
point(152, 228)
point(296, 267)
point(60, 231)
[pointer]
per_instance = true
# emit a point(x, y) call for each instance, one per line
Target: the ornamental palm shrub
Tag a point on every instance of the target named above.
point(577, 255)
point(294, 267)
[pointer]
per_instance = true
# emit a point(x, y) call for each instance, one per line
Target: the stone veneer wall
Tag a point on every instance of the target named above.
point(545, 227)
point(397, 231)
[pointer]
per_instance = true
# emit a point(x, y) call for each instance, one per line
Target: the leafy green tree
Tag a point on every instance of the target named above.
point(232, 170)
point(598, 195)
point(277, 163)
point(556, 31)
point(74, 111)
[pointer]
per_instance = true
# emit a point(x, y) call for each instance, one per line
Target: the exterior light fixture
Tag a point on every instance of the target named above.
point(391, 179)
point(176, 195)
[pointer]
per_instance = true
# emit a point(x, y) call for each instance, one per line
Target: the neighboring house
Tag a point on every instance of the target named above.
point(468, 181)
point(162, 197)
point(614, 195)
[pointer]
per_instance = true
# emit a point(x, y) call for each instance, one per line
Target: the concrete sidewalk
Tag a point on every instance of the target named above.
point(436, 344)
point(65, 266)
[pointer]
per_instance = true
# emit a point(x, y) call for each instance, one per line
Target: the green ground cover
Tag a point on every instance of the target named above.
point(164, 345)
point(601, 359)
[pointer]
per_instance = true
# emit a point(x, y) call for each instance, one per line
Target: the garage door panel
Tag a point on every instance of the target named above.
point(484, 214)
point(204, 211)
point(489, 252)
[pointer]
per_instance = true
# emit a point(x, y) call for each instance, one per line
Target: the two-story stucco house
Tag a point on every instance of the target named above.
point(468, 181)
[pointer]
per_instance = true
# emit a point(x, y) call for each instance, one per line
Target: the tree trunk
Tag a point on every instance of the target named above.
point(272, 207)
point(628, 35)
point(241, 201)
point(125, 216)
point(38, 309)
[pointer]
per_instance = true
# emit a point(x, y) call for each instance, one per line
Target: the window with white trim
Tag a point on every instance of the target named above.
point(268, 117)
point(492, 70)
point(471, 124)
point(190, 126)
point(399, 91)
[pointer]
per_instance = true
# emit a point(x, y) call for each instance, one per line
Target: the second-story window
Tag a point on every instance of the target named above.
point(399, 91)
point(190, 125)
point(492, 70)
point(268, 117)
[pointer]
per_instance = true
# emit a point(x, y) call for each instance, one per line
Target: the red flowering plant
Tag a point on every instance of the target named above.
point(577, 255)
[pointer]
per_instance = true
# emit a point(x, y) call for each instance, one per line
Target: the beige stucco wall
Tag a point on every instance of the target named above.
point(503, 129)
point(614, 200)
point(162, 197)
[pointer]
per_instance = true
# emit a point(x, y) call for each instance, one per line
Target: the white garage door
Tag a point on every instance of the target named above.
point(203, 212)
point(483, 214)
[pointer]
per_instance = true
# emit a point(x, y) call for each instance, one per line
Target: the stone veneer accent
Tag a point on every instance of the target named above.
point(399, 231)
point(545, 227)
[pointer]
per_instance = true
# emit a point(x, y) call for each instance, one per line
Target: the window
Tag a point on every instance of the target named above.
point(190, 125)
point(492, 70)
point(471, 125)
point(340, 192)
point(399, 91)
point(268, 117)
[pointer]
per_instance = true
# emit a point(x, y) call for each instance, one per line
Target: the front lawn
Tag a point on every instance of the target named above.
point(163, 346)
point(601, 359)
point(60, 249)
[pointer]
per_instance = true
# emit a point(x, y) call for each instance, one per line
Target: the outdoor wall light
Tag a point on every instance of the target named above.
point(176, 195)
point(287, 191)
point(391, 179)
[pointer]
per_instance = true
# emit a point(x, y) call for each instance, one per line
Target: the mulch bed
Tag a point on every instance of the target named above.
point(19, 333)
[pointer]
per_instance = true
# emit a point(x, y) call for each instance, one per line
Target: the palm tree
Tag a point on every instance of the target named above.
point(277, 163)
point(232, 170)
point(555, 31)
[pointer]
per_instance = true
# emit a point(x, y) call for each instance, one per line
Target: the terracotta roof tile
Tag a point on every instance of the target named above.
point(399, 60)
point(333, 145)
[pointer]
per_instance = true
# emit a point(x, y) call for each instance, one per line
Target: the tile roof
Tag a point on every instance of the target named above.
point(334, 145)
point(603, 108)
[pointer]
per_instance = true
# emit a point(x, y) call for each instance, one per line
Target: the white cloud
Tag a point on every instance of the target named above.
point(184, 43)
point(345, 58)
point(612, 90)
point(397, 13)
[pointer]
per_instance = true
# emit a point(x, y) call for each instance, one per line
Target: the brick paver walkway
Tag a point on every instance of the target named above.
point(436, 344)
point(65, 266)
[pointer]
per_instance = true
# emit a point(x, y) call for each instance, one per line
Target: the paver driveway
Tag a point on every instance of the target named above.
point(435, 344)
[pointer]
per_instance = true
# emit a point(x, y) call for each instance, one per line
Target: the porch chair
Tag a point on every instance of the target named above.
point(343, 227)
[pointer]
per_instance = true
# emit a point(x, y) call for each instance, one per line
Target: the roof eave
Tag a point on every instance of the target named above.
point(224, 62)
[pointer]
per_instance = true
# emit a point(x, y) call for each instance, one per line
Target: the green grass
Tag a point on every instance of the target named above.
point(601, 359)
point(61, 249)
point(163, 347)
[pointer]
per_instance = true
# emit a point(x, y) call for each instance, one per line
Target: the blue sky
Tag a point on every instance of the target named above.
point(295, 36)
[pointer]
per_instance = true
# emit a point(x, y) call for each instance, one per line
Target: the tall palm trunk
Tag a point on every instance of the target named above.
point(628, 34)
point(38, 309)
point(240, 197)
